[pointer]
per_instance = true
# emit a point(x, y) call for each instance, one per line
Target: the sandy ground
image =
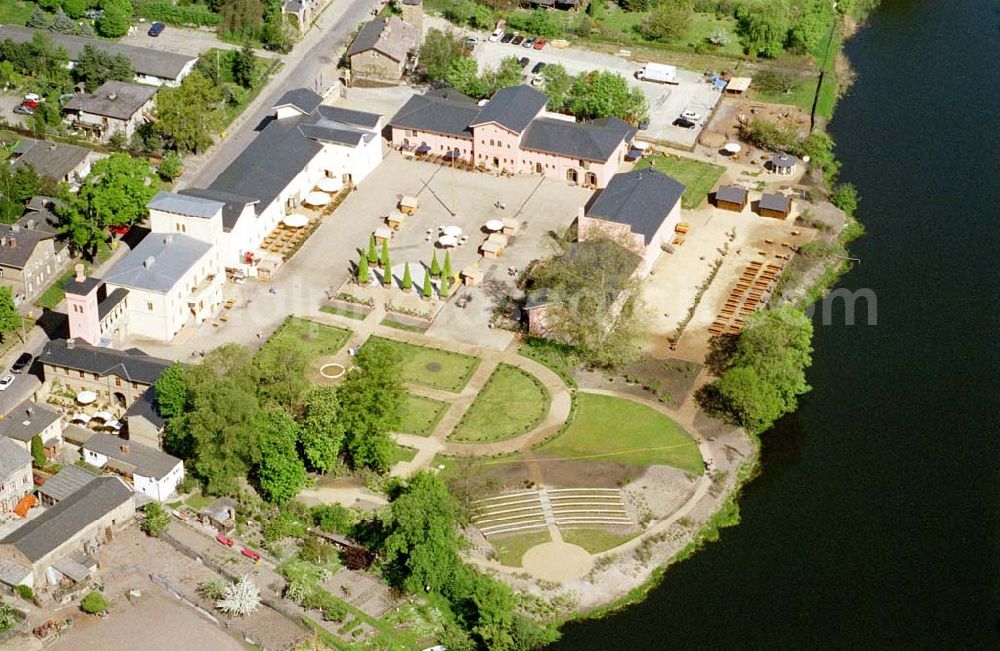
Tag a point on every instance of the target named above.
point(558, 562)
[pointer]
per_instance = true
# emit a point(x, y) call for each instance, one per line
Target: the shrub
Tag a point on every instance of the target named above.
point(25, 592)
point(94, 603)
point(211, 589)
point(170, 167)
point(335, 612)
point(166, 11)
point(666, 23)
point(539, 22)
point(333, 518)
point(156, 520)
point(845, 197)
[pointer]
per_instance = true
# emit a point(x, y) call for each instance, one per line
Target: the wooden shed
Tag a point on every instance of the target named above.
point(730, 197)
point(774, 205)
point(738, 85)
point(409, 204)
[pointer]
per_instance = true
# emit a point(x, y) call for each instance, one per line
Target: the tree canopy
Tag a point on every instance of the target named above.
point(17, 184)
point(10, 321)
point(371, 404)
point(322, 433)
point(95, 67)
point(601, 93)
point(280, 472)
point(438, 51)
point(114, 22)
point(186, 113)
point(171, 391)
point(763, 27)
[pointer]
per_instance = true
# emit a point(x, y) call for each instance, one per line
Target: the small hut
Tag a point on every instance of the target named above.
point(730, 197)
point(784, 164)
point(774, 205)
point(220, 514)
point(738, 85)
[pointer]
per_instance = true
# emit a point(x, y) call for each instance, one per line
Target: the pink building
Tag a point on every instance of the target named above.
point(512, 133)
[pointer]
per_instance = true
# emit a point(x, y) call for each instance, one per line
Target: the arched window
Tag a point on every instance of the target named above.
point(572, 175)
point(590, 179)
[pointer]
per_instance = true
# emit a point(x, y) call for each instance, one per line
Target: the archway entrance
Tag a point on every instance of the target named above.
point(572, 175)
point(590, 179)
point(120, 400)
point(538, 168)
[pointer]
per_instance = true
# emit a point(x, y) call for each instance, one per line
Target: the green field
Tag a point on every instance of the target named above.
point(399, 325)
point(801, 95)
point(318, 339)
point(511, 548)
point(620, 25)
point(15, 12)
point(421, 415)
point(402, 453)
point(614, 429)
point(339, 311)
point(432, 367)
point(698, 177)
point(511, 403)
point(555, 356)
point(594, 540)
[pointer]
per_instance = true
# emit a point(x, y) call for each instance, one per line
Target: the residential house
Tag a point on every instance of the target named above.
point(15, 474)
point(303, 12)
point(513, 133)
point(115, 107)
point(64, 483)
point(40, 215)
point(774, 205)
point(220, 514)
point(54, 161)
point(151, 472)
point(28, 261)
point(54, 548)
point(31, 419)
point(96, 316)
point(143, 422)
point(118, 377)
point(154, 67)
point(639, 209)
point(730, 197)
point(383, 50)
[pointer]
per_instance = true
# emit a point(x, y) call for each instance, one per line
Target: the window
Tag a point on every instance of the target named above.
point(149, 306)
point(81, 374)
point(118, 381)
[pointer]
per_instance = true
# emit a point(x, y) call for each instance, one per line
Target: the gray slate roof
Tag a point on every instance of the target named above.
point(775, 202)
point(66, 482)
point(81, 287)
point(284, 148)
point(118, 295)
point(640, 198)
point(113, 99)
point(361, 119)
point(730, 193)
point(185, 204)
point(512, 108)
point(390, 36)
point(158, 262)
point(22, 426)
point(62, 522)
point(154, 63)
point(146, 407)
point(583, 140)
point(784, 160)
point(140, 459)
point(50, 159)
point(232, 204)
point(13, 457)
point(303, 99)
point(24, 243)
point(132, 365)
point(432, 113)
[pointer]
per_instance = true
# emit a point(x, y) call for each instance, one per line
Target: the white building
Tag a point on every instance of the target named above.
point(153, 473)
point(15, 474)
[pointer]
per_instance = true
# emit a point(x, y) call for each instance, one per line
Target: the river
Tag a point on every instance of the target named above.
point(874, 521)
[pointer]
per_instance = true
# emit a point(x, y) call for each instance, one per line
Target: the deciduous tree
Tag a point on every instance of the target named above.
point(95, 67)
point(171, 391)
point(601, 93)
point(10, 321)
point(667, 23)
point(114, 22)
point(155, 520)
point(322, 432)
point(763, 27)
point(558, 84)
point(37, 451)
point(371, 400)
point(187, 113)
point(463, 76)
point(281, 371)
point(439, 49)
point(280, 472)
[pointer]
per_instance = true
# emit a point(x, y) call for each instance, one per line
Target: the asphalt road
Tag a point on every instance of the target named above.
point(311, 64)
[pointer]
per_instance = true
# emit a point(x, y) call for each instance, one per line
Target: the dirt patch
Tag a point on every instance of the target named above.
point(557, 562)
point(658, 492)
point(585, 474)
point(732, 112)
point(362, 591)
point(433, 367)
point(668, 380)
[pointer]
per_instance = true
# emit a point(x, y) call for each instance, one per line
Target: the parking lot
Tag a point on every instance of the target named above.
point(8, 101)
point(179, 40)
point(666, 102)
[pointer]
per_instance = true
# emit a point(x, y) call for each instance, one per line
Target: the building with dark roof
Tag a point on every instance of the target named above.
point(15, 474)
point(783, 164)
point(640, 209)
point(513, 133)
point(151, 472)
point(157, 67)
point(28, 261)
point(774, 205)
point(64, 483)
point(118, 377)
point(30, 419)
point(115, 107)
point(730, 197)
point(383, 50)
point(78, 524)
point(143, 422)
point(53, 160)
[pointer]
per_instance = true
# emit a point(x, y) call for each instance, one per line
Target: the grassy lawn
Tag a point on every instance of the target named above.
point(557, 357)
point(511, 548)
point(697, 176)
point(399, 325)
point(594, 540)
point(15, 12)
point(55, 293)
point(350, 314)
point(198, 502)
point(615, 429)
point(511, 403)
point(433, 367)
point(421, 415)
point(451, 467)
point(801, 95)
point(318, 339)
point(402, 453)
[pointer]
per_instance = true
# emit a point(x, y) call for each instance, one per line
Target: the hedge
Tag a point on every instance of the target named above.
point(167, 12)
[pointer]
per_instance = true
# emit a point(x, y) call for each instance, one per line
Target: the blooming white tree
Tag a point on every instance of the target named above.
point(240, 598)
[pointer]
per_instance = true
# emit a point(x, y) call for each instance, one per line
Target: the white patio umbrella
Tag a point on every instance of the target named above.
point(295, 220)
point(330, 184)
point(453, 231)
point(448, 240)
point(317, 199)
point(80, 418)
point(86, 397)
point(640, 145)
point(103, 416)
point(494, 225)
point(733, 148)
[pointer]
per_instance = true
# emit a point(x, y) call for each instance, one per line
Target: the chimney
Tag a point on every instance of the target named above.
point(168, 239)
point(70, 343)
point(124, 448)
point(30, 224)
point(112, 96)
point(148, 262)
point(14, 228)
point(580, 212)
point(80, 276)
point(29, 411)
point(12, 242)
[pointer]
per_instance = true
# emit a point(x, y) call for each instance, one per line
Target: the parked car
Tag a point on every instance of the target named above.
point(517, 40)
point(524, 61)
point(25, 109)
point(6, 381)
point(694, 116)
point(225, 540)
point(156, 29)
point(496, 35)
point(643, 124)
point(528, 42)
point(120, 229)
point(93, 14)
point(32, 97)
point(538, 67)
point(684, 123)
point(537, 80)
point(507, 38)
point(471, 41)
point(249, 553)
point(22, 362)
point(540, 43)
